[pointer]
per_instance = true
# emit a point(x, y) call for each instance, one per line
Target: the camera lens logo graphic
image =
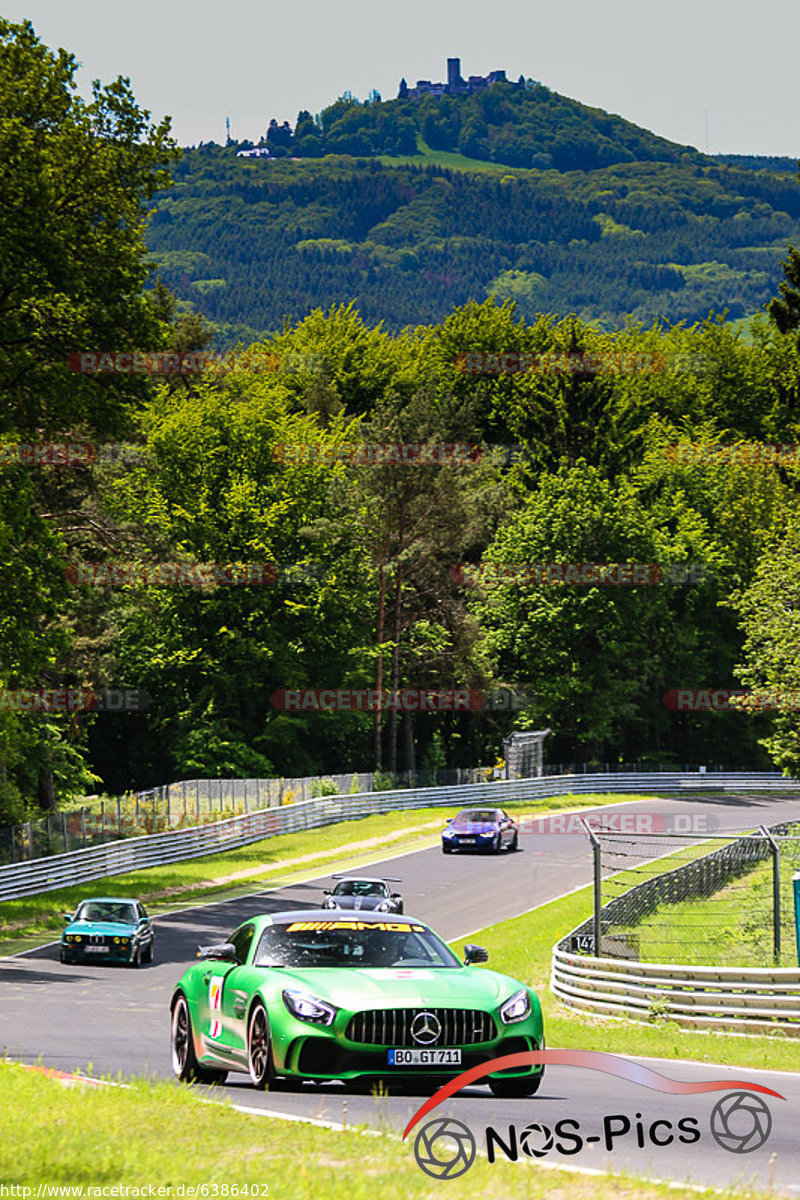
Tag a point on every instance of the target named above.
point(536, 1140)
point(444, 1148)
point(741, 1122)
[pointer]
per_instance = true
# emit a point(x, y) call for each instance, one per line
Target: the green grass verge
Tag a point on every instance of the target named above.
point(163, 1135)
point(522, 947)
point(284, 858)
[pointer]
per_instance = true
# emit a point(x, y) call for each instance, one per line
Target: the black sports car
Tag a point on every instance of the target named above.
point(364, 892)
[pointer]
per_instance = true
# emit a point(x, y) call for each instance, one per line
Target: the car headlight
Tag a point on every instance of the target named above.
point(448, 833)
point(329, 903)
point(308, 1008)
point(124, 941)
point(516, 1007)
point(384, 906)
point(78, 938)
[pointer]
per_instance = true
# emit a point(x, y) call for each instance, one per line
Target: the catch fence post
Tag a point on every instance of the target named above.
point(596, 855)
point(775, 851)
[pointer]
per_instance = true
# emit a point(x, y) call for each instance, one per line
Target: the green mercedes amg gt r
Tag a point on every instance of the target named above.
point(358, 997)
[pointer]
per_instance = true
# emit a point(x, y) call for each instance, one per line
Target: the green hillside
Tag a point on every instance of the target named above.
point(253, 242)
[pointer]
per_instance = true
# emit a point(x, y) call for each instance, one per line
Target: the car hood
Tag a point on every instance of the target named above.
point(356, 988)
point(102, 928)
point(473, 826)
point(366, 902)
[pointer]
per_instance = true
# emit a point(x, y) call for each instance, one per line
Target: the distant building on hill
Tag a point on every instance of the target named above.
point(456, 85)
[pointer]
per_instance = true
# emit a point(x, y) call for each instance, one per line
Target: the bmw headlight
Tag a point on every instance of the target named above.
point(448, 833)
point(308, 1008)
point(516, 1007)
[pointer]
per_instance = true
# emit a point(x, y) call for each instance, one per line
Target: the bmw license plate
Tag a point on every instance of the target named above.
point(467, 841)
point(424, 1058)
point(96, 949)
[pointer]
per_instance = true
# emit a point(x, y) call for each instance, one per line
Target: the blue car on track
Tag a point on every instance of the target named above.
point(108, 929)
point(480, 829)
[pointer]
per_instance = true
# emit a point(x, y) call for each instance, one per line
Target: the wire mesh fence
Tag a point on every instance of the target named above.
point(193, 802)
point(688, 898)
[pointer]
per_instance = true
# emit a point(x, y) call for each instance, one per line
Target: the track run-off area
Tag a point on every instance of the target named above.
point(115, 1022)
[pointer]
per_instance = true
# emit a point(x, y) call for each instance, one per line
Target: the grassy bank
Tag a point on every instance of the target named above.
point(162, 1134)
point(284, 858)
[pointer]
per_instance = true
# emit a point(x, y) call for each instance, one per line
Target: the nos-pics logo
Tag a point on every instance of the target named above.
point(445, 1148)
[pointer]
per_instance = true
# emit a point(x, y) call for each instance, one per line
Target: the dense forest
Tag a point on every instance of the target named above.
point(253, 243)
point(415, 507)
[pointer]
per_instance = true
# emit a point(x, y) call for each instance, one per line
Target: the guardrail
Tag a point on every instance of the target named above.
point(115, 858)
point(746, 998)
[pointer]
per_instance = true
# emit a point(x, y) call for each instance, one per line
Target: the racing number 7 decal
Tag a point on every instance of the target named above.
point(215, 1004)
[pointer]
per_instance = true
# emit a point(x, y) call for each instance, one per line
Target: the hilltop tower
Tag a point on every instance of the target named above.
point(454, 80)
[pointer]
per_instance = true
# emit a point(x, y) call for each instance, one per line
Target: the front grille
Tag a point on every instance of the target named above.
point(96, 940)
point(392, 1027)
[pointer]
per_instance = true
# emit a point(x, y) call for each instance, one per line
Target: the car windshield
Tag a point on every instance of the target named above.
point(99, 910)
point(484, 816)
point(360, 887)
point(352, 944)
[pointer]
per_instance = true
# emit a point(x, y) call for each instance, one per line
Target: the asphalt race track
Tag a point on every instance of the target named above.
point(117, 1019)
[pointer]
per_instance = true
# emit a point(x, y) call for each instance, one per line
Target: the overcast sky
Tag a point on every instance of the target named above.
point(661, 65)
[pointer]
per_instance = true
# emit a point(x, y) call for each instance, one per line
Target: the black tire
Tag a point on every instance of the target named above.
point(400, 909)
point(136, 960)
point(446, 849)
point(497, 844)
point(148, 954)
point(516, 1089)
point(184, 1060)
point(259, 1050)
point(515, 844)
point(62, 956)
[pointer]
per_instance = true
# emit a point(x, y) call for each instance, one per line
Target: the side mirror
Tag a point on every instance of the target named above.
point(396, 896)
point(475, 954)
point(143, 920)
point(224, 952)
point(449, 820)
point(327, 892)
point(67, 916)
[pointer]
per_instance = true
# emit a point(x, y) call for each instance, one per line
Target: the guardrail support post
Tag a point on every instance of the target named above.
point(83, 827)
point(775, 851)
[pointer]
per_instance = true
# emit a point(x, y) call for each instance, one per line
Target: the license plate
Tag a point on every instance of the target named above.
point(467, 841)
point(424, 1058)
point(96, 949)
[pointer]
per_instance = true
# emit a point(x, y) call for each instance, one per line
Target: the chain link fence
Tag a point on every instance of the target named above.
point(691, 898)
point(193, 802)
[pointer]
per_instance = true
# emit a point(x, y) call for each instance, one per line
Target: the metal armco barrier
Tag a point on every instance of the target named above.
point(132, 854)
point(745, 998)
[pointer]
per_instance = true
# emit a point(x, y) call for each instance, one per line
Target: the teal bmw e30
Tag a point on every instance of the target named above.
point(108, 929)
